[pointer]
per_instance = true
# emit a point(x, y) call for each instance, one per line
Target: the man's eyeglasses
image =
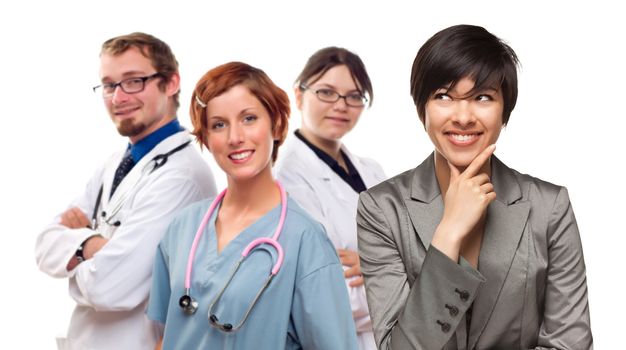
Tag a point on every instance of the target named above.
point(129, 86)
point(328, 95)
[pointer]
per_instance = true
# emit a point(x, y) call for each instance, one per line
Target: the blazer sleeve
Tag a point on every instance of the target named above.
point(406, 316)
point(566, 323)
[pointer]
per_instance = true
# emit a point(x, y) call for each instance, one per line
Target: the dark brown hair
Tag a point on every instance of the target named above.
point(329, 57)
point(464, 51)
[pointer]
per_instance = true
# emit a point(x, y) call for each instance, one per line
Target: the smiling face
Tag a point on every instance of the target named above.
point(139, 114)
point(461, 125)
point(240, 134)
point(327, 122)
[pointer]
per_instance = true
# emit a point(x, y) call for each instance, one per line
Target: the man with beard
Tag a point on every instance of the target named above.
point(105, 242)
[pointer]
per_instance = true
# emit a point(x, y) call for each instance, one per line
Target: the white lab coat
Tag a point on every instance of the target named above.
point(111, 289)
point(332, 202)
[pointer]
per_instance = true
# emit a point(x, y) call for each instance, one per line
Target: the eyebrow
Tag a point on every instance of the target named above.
point(474, 91)
point(242, 112)
point(488, 88)
point(329, 86)
point(126, 75)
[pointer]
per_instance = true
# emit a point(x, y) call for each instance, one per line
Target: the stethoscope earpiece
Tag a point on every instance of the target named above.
point(188, 304)
point(215, 322)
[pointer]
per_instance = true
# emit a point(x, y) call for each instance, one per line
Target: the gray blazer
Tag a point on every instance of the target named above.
point(530, 289)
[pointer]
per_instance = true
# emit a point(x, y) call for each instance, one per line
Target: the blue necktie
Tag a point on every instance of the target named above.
point(124, 168)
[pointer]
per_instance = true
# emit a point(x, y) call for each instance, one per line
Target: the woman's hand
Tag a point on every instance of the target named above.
point(466, 200)
point(350, 258)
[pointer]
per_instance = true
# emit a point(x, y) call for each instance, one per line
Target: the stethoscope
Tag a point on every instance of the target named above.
point(107, 216)
point(189, 305)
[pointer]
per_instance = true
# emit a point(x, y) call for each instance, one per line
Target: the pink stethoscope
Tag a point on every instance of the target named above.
point(189, 305)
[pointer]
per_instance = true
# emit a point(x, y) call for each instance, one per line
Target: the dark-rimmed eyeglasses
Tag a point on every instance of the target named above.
point(331, 96)
point(129, 86)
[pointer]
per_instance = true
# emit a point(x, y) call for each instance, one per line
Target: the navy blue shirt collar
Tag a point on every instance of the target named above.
point(145, 145)
point(351, 177)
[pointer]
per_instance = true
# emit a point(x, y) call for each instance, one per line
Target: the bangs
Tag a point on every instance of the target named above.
point(459, 52)
point(485, 66)
point(484, 78)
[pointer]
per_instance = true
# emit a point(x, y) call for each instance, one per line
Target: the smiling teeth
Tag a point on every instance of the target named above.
point(463, 138)
point(240, 156)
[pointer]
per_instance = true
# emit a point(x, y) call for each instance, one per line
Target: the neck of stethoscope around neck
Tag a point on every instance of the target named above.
point(113, 207)
point(246, 251)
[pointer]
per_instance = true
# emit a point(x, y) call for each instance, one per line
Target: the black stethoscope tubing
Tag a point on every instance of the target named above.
point(159, 160)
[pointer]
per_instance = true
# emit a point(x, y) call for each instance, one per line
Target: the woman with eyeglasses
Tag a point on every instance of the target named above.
point(249, 269)
point(463, 252)
point(321, 174)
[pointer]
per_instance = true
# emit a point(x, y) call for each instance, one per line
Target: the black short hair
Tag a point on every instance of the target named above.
point(464, 51)
point(323, 60)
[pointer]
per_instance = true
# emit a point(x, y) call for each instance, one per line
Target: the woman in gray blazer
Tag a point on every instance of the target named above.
point(464, 252)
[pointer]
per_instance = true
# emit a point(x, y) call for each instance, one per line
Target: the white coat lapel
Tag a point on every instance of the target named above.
point(506, 219)
point(105, 208)
point(107, 178)
point(323, 173)
point(138, 172)
point(130, 180)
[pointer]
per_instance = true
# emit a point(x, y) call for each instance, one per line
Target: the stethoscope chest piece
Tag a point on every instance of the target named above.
point(188, 304)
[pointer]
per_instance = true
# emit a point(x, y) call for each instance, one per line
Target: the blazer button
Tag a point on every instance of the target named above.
point(445, 326)
point(452, 309)
point(463, 294)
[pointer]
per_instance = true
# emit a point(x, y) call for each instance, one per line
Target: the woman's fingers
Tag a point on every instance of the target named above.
point(478, 162)
point(348, 257)
point(357, 282)
point(486, 188)
point(481, 179)
point(353, 271)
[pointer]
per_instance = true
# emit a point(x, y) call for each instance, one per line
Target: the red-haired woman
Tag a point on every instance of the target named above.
point(248, 269)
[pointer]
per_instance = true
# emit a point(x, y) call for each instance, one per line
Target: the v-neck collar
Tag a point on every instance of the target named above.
point(265, 226)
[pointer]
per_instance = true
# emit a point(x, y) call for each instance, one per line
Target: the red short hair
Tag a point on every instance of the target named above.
point(221, 79)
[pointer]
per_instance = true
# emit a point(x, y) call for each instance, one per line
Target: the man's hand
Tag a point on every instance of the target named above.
point(93, 245)
point(90, 247)
point(74, 218)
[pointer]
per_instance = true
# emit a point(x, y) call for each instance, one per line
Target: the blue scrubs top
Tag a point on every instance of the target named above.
point(305, 306)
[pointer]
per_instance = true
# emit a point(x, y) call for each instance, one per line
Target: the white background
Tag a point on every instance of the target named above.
point(565, 129)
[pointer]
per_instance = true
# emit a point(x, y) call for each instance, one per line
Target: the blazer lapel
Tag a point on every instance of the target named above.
point(506, 219)
point(425, 205)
